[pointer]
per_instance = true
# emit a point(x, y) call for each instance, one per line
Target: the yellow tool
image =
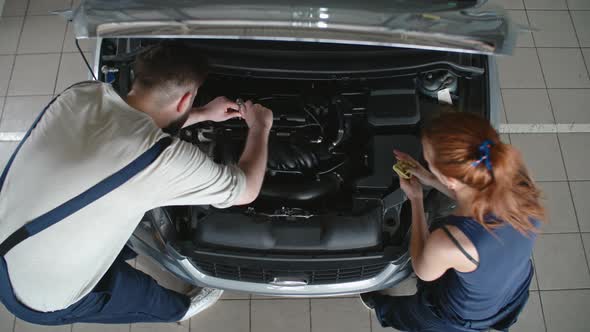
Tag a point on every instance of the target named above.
point(401, 168)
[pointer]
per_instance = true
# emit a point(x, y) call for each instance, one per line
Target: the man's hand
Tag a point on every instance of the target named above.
point(256, 116)
point(218, 110)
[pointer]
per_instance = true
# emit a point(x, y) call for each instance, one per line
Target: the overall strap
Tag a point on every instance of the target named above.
point(92, 194)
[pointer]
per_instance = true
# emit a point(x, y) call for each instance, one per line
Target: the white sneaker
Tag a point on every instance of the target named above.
point(201, 299)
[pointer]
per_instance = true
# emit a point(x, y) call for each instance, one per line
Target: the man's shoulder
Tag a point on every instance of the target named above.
point(85, 89)
point(91, 96)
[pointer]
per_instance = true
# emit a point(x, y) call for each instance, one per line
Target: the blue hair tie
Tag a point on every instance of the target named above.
point(484, 153)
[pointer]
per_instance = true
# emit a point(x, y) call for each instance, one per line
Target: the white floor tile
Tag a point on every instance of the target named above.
point(521, 70)
point(542, 155)
point(560, 208)
point(265, 297)
point(575, 154)
point(525, 37)
point(508, 4)
point(22, 326)
point(564, 68)
point(503, 118)
point(6, 62)
point(534, 283)
point(10, 28)
point(580, 194)
point(570, 106)
point(42, 34)
point(545, 4)
point(72, 70)
point(280, 315)
point(45, 7)
point(230, 295)
point(224, 316)
point(15, 8)
point(555, 28)
point(6, 318)
point(101, 328)
point(560, 262)
point(161, 327)
point(339, 315)
point(566, 311)
point(582, 24)
point(34, 74)
point(586, 242)
point(20, 112)
point(527, 106)
point(586, 55)
point(578, 4)
point(531, 318)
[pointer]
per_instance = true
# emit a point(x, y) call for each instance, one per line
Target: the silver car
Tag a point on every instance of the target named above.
point(348, 81)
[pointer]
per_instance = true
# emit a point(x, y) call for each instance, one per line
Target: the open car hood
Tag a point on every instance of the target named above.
point(461, 26)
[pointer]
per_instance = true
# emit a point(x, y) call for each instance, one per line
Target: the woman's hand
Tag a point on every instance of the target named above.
point(412, 188)
point(425, 176)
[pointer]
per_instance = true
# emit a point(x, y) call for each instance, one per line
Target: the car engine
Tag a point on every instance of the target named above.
point(306, 158)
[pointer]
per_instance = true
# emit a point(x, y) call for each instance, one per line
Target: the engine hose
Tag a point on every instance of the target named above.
point(341, 127)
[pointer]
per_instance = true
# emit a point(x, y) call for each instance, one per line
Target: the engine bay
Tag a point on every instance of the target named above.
point(329, 164)
point(329, 185)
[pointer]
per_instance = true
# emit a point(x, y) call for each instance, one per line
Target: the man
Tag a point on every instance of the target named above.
point(70, 272)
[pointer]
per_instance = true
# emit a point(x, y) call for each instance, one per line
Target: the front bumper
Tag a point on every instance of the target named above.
point(147, 242)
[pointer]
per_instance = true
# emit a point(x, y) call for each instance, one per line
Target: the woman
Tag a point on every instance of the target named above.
point(474, 265)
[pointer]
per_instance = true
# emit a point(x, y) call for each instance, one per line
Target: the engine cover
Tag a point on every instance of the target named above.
point(257, 232)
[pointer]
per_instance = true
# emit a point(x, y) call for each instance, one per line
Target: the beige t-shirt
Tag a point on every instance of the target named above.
point(87, 134)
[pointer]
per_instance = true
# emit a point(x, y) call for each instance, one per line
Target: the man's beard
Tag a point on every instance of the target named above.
point(174, 127)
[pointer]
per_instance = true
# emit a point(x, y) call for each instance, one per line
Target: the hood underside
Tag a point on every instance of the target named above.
point(460, 26)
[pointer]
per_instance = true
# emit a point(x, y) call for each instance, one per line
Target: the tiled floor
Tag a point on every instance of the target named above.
point(546, 81)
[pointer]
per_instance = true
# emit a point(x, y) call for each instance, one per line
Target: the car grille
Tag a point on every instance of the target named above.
point(349, 273)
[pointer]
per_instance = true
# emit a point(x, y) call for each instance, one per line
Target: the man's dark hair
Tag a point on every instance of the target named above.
point(168, 65)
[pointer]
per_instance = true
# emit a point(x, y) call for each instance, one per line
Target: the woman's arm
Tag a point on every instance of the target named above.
point(420, 232)
point(425, 176)
point(432, 253)
point(436, 184)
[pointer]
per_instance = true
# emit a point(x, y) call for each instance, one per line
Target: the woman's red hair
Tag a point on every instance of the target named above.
point(507, 194)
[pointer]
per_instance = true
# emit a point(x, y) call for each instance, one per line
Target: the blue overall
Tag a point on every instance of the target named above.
point(492, 296)
point(123, 295)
